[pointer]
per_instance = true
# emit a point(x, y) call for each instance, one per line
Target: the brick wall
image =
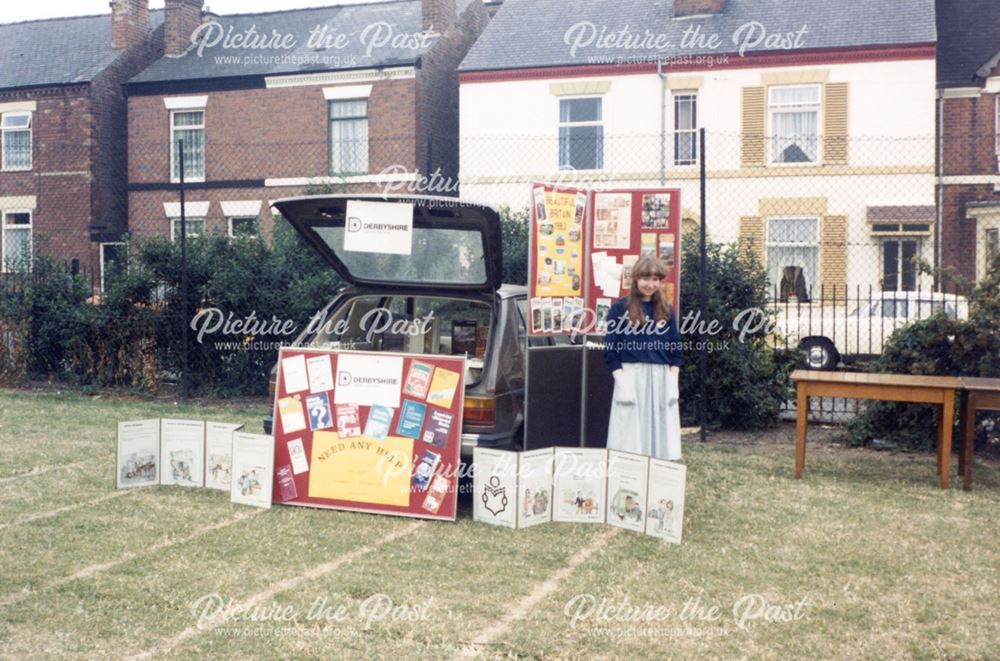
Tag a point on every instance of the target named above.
point(60, 177)
point(969, 134)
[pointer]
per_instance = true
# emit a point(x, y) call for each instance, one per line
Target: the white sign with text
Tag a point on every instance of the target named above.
point(379, 227)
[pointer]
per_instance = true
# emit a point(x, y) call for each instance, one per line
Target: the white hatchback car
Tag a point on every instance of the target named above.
point(830, 334)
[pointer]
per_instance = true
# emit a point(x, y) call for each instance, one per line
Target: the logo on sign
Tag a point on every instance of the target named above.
point(353, 224)
point(344, 379)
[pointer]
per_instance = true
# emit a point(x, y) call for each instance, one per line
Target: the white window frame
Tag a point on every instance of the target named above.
point(106, 243)
point(175, 229)
point(173, 144)
point(677, 96)
point(772, 110)
point(571, 125)
point(986, 225)
point(812, 279)
point(232, 234)
point(15, 228)
point(3, 140)
point(330, 119)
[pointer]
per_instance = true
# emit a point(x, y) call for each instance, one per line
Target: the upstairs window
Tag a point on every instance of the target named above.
point(349, 137)
point(794, 112)
point(16, 138)
point(685, 128)
point(581, 134)
point(187, 126)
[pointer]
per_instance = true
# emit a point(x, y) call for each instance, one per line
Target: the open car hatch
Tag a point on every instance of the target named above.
point(404, 242)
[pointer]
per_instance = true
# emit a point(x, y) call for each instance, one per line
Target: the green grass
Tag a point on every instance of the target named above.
point(883, 563)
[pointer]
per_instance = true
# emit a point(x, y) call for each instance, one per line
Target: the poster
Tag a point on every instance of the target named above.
point(494, 487)
point(182, 452)
point(578, 485)
point(665, 500)
point(138, 454)
point(616, 227)
point(556, 265)
point(393, 443)
point(379, 227)
point(534, 472)
point(627, 474)
point(219, 454)
point(253, 467)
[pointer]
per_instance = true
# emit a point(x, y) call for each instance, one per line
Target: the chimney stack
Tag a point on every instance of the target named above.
point(697, 7)
point(129, 22)
point(180, 20)
point(438, 14)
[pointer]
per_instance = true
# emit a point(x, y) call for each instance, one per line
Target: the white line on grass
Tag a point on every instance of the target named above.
point(87, 572)
point(521, 609)
point(275, 589)
point(55, 512)
point(42, 470)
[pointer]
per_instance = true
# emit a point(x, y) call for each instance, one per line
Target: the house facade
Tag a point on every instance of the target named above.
point(969, 111)
point(820, 153)
point(347, 98)
point(62, 130)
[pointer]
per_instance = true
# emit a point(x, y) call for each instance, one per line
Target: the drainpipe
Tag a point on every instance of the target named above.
point(938, 239)
point(663, 121)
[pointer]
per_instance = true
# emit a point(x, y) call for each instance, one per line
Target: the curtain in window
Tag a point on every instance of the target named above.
point(793, 242)
point(349, 137)
point(194, 143)
point(795, 125)
point(16, 248)
point(17, 149)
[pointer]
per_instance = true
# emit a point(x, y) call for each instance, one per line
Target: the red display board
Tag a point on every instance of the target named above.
point(624, 225)
point(582, 246)
point(368, 432)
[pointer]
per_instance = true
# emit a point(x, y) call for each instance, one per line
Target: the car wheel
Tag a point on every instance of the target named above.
point(820, 354)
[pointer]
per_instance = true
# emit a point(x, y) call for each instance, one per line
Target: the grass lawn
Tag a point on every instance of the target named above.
point(865, 558)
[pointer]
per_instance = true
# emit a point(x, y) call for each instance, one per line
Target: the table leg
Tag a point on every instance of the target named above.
point(968, 439)
point(801, 417)
point(940, 435)
point(963, 417)
point(946, 424)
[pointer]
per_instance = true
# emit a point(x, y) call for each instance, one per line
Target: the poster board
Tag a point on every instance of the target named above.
point(665, 500)
point(219, 454)
point(512, 489)
point(182, 452)
point(137, 454)
point(370, 432)
point(579, 485)
point(626, 224)
point(253, 466)
point(583, 244)
point(628, 474)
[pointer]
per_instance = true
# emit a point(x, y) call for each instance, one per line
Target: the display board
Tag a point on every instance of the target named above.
point(583, 246)
point(369, 432)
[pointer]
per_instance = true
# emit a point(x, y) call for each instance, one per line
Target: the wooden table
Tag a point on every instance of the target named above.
point(938, 390)
point(979, 394)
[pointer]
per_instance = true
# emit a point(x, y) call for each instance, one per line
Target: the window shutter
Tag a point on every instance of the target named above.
point(754, 126)
point(833, 255)
point(835, 124)
point(752, 237)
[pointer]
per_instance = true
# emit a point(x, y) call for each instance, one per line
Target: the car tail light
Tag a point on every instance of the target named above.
point(480, 411)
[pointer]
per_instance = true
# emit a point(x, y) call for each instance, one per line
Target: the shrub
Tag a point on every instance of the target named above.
point(941, 347)
point(514, 227)
point(747, 380)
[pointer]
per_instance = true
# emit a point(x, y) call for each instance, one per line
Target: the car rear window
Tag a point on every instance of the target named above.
point(411, 324)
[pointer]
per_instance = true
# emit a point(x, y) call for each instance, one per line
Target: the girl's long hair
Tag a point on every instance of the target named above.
point(662, 311)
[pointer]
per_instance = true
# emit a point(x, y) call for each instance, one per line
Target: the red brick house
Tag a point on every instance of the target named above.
point(62, 119)
point(340, 98)
point(969, 114)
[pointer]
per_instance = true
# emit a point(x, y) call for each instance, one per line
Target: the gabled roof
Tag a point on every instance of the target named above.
point(968, 38)
point(533, 33)
point(58, 51)
point(350, 21)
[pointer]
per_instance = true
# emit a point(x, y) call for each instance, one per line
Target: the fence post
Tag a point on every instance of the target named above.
point(184, 278)
point(702, 304)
